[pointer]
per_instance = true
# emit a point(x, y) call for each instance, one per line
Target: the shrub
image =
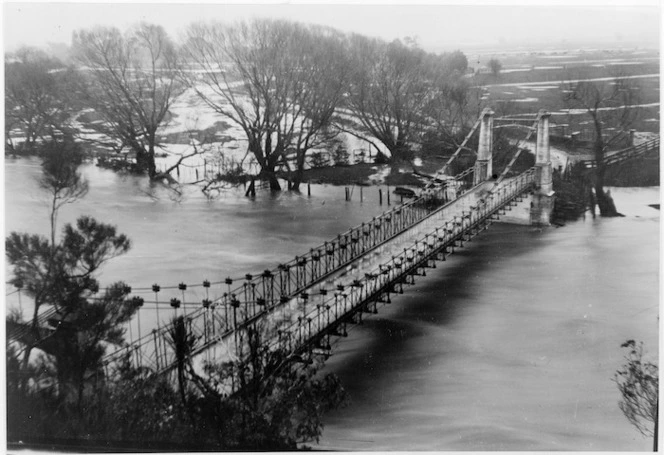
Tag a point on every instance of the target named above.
point(340, 156)
point(381, 158)
point(318, 159)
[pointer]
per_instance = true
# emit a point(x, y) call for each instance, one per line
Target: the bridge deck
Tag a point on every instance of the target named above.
point(329, 298)
point(406, 255)
point(333, 264)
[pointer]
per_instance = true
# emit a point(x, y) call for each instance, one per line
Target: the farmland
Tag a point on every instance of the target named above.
point(530, 81)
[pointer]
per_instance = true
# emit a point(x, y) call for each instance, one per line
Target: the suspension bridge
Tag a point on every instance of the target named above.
point(300, 306)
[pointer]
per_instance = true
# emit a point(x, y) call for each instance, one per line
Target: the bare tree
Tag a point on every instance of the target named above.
point(133, 83)
point(638, 382)
point(452, 110)
point(324, 82)
point(277, 80)
point(390, 86)
point(613, 108)
point(36, 98)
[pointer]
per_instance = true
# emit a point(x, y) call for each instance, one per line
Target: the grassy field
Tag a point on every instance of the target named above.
point(530, 81)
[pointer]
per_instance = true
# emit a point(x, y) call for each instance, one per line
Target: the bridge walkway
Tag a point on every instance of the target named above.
point(335, 263)
point(306, 321)
point(410, 254)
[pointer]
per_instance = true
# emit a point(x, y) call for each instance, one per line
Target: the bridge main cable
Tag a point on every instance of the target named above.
point(312, 329)
point(262, 294)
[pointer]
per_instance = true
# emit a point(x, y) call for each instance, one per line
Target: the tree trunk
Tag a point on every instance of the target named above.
point(274, 182)
point(299, 171)
point(267, 164)
point(152, 167)
point(400, 151)
point(297, 180)
point(145, 162)
point(182, 383)
point(269, 171)
point(605, 202)
point(607, 207)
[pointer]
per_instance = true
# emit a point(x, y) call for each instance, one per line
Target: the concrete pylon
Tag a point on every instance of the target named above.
point(543, 153)
point(483, 165)
point(543, 199)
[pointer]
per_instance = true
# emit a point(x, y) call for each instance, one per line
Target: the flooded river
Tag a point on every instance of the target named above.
point(190, 239)
point(509, 345)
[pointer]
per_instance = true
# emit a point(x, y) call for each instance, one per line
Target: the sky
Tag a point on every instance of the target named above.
point(437, 25)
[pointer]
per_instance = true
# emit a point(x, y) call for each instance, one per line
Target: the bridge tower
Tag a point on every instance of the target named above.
point(483, 168)
point(542, 201)
point(537, 208)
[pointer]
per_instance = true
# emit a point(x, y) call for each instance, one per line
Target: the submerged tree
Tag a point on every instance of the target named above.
point(278, 81)
point(612, 108)
point(396, 89)
point(132, 85)
point(638, 382)
point(389, 89)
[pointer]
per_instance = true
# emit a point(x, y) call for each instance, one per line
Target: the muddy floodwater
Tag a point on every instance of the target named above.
point(188, 239)
point(511, 344)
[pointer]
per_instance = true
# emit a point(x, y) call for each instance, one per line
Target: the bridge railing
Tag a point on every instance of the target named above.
point(228, 317)
point(263, 293)
point(323, 319)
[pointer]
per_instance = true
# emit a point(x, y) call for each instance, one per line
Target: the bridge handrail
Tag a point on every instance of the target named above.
point(162, 359)
point(216, 339)
point(299, 335)
point(229, 299)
